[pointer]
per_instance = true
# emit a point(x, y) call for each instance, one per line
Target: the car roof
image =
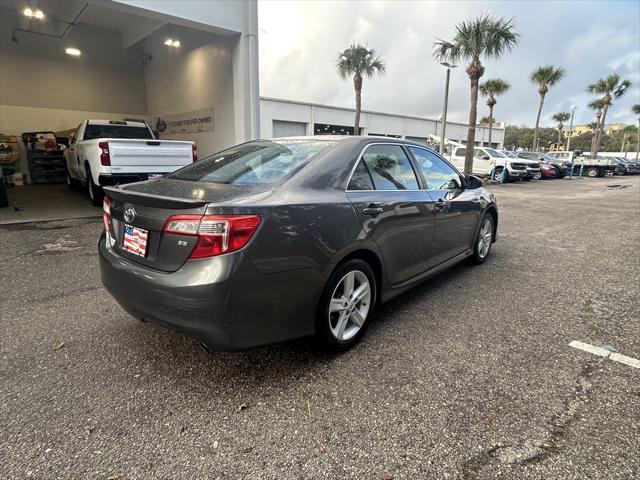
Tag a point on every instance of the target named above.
point(353, 139)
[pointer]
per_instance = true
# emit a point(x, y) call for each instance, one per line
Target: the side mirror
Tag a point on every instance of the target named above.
point(486, 157)
point(471, 182)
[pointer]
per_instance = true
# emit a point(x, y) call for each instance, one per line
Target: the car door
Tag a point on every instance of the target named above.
point(482, 164)
point(457, 211)
point(393, 209)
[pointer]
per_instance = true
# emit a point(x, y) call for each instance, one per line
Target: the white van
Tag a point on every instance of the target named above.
point(486, 160)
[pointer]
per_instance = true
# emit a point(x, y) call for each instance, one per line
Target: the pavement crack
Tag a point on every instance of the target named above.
point(534, 450)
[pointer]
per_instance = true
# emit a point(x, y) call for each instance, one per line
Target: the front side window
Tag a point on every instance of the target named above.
point(259, 162)
point(461, 152)
point(438, 174)
point(389, 167)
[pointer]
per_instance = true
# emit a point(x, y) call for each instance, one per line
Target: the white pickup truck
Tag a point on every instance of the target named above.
point(487, 161)
point(113, 152)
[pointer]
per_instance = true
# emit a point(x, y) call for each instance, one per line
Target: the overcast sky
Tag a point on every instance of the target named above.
point(300, 41)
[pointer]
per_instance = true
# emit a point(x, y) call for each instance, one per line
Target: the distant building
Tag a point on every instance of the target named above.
point(608, 128)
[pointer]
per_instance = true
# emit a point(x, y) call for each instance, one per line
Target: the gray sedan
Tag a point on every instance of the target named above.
point(273, 240)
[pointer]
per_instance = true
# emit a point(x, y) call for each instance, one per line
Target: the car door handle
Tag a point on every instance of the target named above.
point(372, 209)
point(440, 206)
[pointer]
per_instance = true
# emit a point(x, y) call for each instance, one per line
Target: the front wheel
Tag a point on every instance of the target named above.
point(484, 239)
point(346, 305)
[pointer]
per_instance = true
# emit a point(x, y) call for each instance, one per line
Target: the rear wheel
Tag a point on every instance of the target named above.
point(95, 192)
point(592, 172)
point(484, 239)
point(346, 305)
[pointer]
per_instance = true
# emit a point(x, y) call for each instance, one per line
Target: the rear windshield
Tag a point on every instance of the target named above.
point(116, 131)
point(260, 162)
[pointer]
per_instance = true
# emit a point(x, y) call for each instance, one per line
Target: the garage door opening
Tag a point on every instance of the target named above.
point(63, 63)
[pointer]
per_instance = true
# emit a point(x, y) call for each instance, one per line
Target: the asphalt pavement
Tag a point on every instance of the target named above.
point(468, 376)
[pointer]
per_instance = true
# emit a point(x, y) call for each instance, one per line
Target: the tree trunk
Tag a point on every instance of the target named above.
point(490, 124)
point(559, 138)
point(471, 133)
point(638, 141)
point(601, 131)
point(357, 84)
point(535, 131)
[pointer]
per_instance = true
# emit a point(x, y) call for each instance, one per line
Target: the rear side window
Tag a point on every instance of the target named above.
point(389, 167)
point(438, 174)
point(360, 180)
point(116, 131)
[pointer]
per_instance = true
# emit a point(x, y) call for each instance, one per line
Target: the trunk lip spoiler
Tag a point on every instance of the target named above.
point(149, 199)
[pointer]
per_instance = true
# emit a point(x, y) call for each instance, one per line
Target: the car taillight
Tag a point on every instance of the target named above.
point(106, 213)
point(194, 152)
point(105, 159)
point(217, 234)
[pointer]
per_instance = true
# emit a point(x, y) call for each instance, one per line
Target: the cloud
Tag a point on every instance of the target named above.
point(300, 42)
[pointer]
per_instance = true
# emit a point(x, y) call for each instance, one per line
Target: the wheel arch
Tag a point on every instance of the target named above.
point(493, 211)
point(374, 262)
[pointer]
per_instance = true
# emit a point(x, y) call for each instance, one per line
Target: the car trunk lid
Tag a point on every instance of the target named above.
point(143, 209)
point(148, 156)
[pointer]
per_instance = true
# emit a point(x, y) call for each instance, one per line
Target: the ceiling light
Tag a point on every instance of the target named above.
point(168, 42)
point(74, 52)
point(176, 44)
point(39, 14)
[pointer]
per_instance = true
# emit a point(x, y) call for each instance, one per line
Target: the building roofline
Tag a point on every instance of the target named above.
point(388, 114)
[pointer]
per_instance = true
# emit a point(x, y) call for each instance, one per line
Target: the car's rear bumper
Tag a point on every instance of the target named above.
point(222, 301)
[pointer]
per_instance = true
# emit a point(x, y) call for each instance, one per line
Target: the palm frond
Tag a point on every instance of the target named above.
point(359, 60)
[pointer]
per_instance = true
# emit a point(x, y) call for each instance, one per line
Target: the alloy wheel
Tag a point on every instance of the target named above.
point(484, 238)
point(349, 305)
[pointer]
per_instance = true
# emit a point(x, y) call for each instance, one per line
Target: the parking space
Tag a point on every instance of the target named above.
point(469, 375)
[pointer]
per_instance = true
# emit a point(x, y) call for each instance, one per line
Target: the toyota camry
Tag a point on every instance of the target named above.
point(272, 240)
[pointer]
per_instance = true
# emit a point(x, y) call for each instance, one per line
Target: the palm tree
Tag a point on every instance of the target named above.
point(627, 132)
point(485, 36)
point(491, 89)
point(561, 117)
point(355, 62)
point(545, 77)
point(609, 87)
point(596, 105)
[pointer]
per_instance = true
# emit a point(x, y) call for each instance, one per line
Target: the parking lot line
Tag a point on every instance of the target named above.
point(601, 352)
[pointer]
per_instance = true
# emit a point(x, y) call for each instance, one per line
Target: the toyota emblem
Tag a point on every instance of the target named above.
point(129, 214)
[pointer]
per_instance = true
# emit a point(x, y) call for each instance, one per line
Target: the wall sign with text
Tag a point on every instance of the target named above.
point(187, 122)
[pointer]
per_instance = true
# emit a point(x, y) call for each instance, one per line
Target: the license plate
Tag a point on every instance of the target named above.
point(135, 240)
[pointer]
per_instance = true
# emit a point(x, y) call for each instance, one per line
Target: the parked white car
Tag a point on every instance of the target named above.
point(113, 152)
point(533, 166)
point(486, 161)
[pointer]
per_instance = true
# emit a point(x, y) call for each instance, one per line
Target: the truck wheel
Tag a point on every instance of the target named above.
point(95, 192)
point(592, 172)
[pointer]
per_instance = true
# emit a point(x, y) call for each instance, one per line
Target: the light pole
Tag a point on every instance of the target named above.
point(573, 111)
point(443, 128)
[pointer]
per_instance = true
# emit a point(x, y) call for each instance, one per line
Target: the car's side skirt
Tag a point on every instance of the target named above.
point(404, 286)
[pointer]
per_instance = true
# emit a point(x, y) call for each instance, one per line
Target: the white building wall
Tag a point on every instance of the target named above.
point(371, 122)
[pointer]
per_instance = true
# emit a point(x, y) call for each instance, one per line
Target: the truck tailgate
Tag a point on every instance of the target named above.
point(136, 156)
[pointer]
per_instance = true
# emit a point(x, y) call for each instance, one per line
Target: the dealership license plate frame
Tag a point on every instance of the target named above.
point(131, 237)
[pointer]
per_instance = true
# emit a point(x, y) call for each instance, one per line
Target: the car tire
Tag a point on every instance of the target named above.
point(592, 172)
point(95, 192)
point(341, 318)
point(484, 239)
